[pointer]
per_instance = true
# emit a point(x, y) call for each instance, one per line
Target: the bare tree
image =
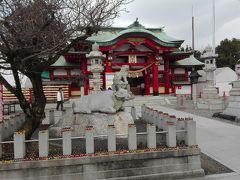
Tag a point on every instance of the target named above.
point(35, 33)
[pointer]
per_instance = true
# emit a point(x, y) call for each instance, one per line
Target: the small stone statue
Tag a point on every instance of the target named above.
point(120, 78)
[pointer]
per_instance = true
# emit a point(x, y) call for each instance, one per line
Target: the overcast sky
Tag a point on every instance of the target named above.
point(175, 16)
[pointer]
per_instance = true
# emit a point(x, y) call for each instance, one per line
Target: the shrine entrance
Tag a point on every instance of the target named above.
point(135, 84)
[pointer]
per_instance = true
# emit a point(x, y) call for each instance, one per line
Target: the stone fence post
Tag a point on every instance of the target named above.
point(111, 138)
point(43, 143)
point(19, 145)
point(143, 112)
point(133, 113)
point(151, 136)
point(171, 134)
point(159, 123)
point(190, 127)
point(67, 140)
point(155, 117)
point(165, 120)
point(132, 137)
point(89, 140)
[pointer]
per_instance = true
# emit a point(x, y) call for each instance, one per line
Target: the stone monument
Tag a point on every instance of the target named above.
point(99, 110)
point(95, 57)
point(210, 98)
point(234, 100)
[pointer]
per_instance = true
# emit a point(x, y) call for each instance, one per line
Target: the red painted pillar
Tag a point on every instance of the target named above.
point(147, 82)
point(108, 69)
point(84, 72)
point(186, 75)
point(155, 79)
point(173, 78)
point(166, 76)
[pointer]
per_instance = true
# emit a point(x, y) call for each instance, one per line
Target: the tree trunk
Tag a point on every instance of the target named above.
point(39, 100)
point(37, 108)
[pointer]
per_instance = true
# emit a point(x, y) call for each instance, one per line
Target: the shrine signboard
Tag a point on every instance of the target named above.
point(183, 90)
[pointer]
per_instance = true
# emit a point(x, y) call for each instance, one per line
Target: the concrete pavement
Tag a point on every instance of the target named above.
point(218, 140)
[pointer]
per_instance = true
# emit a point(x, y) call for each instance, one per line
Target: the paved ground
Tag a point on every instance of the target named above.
point(219, 140)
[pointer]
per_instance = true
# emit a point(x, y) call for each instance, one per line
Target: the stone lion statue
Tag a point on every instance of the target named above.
point(120, 78)
point(104, 101)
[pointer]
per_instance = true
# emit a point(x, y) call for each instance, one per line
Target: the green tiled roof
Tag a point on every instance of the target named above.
point(109, 36)
point(61, 62)
point(190, 61)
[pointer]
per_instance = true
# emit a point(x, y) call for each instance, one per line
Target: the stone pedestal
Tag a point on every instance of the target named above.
point(210, 99)
point(233, 107)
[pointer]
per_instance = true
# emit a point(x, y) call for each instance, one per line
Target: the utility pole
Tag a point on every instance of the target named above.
point(192, 30)
point(213, 26)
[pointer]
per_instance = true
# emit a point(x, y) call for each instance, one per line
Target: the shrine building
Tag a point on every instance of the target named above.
point(154, 58)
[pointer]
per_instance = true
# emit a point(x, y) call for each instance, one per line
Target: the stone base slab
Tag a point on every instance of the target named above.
point(211, 104)
point(143, 165)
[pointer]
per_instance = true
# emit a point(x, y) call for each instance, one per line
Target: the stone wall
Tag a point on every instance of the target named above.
point(169, 164)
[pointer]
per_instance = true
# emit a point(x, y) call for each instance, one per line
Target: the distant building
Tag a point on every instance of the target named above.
point(224, 76)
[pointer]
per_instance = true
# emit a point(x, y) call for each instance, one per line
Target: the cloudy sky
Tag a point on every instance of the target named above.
point(175, 16)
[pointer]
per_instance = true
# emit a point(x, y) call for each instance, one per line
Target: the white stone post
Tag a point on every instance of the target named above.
point(133, 113)
point(180, 126)
point(132, 137)
point(67, 140)
point(151, 136)
point(89, 140)
point(111, 138)
point(43, 143)
point(173, 119)
point(159, 123)
point(165, 119)
point(190, 127)
point(51, 117)
point(19, 145)
point(171, 134)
